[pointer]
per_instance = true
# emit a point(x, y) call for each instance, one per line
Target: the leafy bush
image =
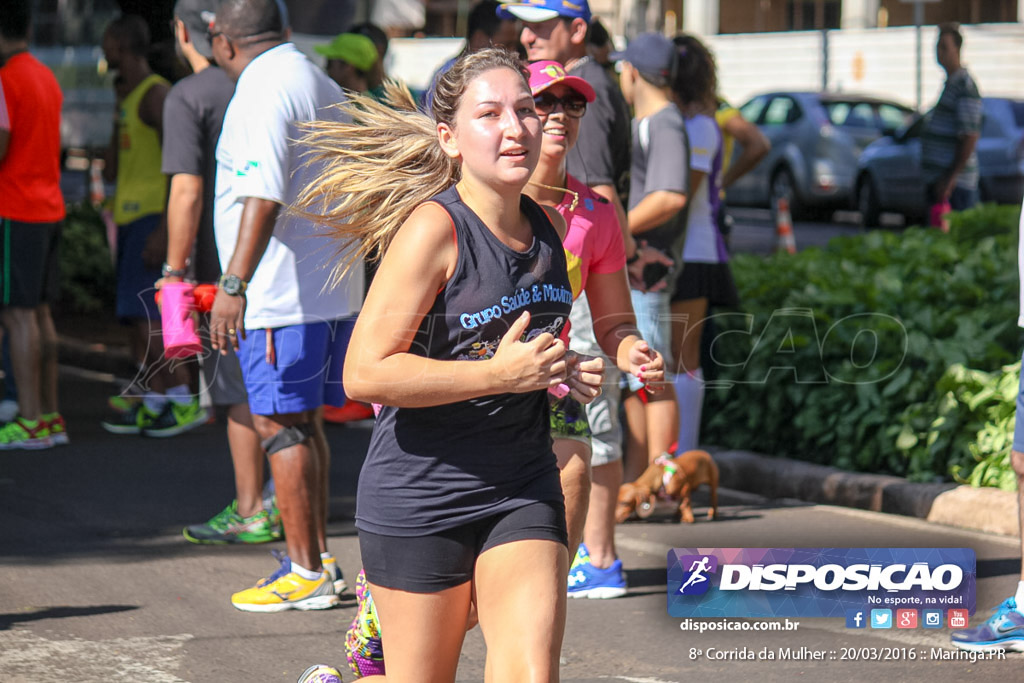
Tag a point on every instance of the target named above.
point(87, 281)
point(967, 423)
point(846, 353)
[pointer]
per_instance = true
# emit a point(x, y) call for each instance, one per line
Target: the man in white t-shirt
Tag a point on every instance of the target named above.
point(273, 305)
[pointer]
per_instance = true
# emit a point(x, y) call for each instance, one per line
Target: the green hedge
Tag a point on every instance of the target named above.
point(87, 280)
point(881, 353)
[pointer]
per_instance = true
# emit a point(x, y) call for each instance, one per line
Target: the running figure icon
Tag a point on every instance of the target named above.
point(697, 570)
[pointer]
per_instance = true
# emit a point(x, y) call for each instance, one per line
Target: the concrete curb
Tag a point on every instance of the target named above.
point(983, 509)
point(966, 507)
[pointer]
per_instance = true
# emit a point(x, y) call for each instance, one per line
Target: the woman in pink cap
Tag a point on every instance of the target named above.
point(596, 258)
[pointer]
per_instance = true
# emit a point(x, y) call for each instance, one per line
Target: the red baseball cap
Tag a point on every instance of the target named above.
point(546, 73)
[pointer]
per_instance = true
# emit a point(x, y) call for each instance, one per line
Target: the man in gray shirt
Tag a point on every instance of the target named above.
point(949, 162)
point(193, 114)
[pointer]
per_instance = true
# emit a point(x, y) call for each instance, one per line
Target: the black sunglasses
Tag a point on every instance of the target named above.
point(574, 106)
point(211, 33)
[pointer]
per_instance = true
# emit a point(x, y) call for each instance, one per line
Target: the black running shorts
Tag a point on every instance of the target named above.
point(28, 263)
point(429, 564)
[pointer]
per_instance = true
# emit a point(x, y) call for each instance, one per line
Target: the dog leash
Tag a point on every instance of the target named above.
point(669, 471)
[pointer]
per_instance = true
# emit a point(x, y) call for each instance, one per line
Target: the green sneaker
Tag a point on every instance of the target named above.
point(58, 428)
point(176, 418)
point(273, 512)
point(133, 422)
point(123, 403)
point(21, 433)
point(227, 526)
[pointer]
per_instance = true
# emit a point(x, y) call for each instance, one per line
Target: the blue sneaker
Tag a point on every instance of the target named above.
point(588, 581)
point(582, 557)
point(1003, 631)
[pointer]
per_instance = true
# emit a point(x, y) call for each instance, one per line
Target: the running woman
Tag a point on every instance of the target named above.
point(459, 499)
point(597, 265)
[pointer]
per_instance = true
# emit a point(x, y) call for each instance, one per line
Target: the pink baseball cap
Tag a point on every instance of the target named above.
point(546, 73)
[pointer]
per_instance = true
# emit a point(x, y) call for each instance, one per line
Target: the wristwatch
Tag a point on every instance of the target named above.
point(232, 285)
point(167, 271)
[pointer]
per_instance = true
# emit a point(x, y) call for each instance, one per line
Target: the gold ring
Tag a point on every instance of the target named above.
point(230, 331)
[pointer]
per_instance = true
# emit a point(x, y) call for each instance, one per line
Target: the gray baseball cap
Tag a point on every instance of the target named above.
point(198, 16)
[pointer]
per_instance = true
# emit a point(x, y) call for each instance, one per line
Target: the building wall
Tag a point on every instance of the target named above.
point(963, 11)
point(751, 16)
point(756, 16)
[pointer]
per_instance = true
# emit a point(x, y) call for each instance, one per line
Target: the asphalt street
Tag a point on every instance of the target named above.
point(754, 229)
point(97, 583)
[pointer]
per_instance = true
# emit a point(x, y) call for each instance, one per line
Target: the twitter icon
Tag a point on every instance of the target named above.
point(881, 618)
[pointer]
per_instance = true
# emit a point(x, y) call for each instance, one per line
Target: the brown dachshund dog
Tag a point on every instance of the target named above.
point(675, 479)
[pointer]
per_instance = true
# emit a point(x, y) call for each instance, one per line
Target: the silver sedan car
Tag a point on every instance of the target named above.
point(816, 140)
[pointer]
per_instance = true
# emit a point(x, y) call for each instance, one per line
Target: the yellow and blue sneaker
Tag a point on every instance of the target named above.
point(1003, 631)
point(284, 590)
point(332, 568)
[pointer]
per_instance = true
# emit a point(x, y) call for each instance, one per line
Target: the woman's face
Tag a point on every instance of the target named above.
point(560, 129)
point(496, 130)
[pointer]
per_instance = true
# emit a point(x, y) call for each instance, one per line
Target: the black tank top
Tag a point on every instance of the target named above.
point(430, 469)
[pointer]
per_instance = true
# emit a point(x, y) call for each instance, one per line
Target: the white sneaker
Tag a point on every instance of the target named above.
point(8, 410)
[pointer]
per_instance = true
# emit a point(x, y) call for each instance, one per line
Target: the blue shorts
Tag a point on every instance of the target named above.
point(307, 374)
point(1018, 426)
point(135, 281)
point(654, 322)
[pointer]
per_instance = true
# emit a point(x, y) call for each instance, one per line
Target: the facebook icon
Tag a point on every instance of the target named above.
point(855, 618)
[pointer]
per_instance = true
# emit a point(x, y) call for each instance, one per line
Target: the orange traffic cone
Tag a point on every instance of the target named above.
point(784, 227)
point(97, 193)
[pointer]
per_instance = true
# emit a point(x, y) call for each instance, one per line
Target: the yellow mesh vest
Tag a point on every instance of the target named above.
point(141, 187)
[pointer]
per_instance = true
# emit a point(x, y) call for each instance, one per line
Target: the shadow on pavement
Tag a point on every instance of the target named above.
point(1000, 567)
point(6, 620)
point(646, 578)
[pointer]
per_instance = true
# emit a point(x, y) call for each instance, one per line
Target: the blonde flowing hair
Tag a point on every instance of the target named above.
point(385, 161)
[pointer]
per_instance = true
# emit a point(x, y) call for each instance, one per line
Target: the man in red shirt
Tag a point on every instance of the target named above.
point(31, 209)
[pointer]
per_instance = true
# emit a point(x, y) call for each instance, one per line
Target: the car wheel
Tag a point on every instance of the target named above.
point(784, 187)
point(867, 203)
point(917, 218)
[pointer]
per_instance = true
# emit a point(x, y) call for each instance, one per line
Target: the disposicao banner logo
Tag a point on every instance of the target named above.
point(816, 582)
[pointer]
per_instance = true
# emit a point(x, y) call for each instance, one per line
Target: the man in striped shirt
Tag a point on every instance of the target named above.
point(949, 164)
